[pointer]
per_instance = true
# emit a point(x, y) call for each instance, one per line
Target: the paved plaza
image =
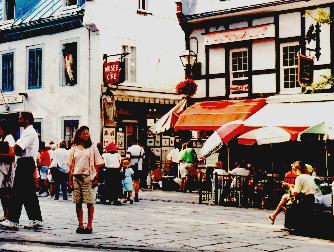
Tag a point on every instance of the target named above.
point(161, 221)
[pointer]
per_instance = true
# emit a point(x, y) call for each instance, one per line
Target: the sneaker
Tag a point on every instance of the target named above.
point(2, 218)
point(44, 194)
point(34, 224)
point(131, 201)
point(10, 225)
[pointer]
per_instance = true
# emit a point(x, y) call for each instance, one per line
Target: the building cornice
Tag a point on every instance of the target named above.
point(41, 27)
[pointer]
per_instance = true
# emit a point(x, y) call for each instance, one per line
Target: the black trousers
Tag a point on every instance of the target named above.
point(113, 184)
point(60, 180)
point(24, 192)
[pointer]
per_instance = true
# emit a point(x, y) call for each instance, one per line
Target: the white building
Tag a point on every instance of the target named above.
point(52, 60)
point(247, 50)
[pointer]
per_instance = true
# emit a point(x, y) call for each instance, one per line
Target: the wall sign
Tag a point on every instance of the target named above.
point(305, 70)
point(10, 98)
point(240, 34)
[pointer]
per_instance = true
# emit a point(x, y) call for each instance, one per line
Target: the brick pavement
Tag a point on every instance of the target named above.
point(163, 221)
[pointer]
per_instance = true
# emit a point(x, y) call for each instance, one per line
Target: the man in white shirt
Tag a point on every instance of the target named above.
point(24, 189)
point(136, 153)
point(174, 156)
point(59, 170)
point(239, 171)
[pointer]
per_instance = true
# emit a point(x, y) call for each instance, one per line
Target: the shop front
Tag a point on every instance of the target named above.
point(128, 113)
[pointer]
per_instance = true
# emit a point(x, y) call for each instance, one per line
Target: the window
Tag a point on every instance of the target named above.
point(34, 68)
point(289, 66)
point(70, 60)
point(70, 125)
point(143, 4)
point(130, 63)
point(239, 72)
point(9, 9)
point(7, 76)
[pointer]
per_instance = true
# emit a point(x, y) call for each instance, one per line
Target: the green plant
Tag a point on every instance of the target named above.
point(321, 16)
point(325, 82)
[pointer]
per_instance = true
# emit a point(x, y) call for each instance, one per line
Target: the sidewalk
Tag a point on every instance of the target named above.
point(163, 221)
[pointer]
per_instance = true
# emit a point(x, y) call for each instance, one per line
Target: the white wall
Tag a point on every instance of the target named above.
point(201, 89)
point(263, 54)
point(217, 87)
point(158, 38)
point(264, 83)
point(289, 25)
point(217, 60)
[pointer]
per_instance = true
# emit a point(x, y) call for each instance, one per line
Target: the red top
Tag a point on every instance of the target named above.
point(44, 159)
point(290, 177)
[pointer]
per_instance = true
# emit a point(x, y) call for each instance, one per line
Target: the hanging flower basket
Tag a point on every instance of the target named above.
point(187, 87)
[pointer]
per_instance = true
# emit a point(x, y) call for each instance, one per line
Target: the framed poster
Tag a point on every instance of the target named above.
point(120, 140)
point(108, 136)
point(172, 141)
point(150, 142)
point(157, 152)
point(157, 141)
point(165, 142)
point(150, 122)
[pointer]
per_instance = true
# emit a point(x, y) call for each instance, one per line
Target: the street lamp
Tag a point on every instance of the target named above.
point(188, 59)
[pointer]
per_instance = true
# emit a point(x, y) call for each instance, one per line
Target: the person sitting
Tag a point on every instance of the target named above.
point(304, 187)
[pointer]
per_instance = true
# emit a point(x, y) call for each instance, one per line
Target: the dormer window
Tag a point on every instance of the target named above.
point(70, 2)
point(9, 9)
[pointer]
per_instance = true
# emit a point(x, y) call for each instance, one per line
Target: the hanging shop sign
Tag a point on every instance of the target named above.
point(240, 34)
point(305, 70)
point(114, 71)
point(111, 72)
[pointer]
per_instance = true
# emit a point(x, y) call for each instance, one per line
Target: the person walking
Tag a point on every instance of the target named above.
point(83, 160)
point(113, 177)
point(135, 152)
point(24, 189)
point(59, 170)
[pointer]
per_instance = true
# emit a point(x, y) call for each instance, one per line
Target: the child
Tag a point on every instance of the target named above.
point(127, 181)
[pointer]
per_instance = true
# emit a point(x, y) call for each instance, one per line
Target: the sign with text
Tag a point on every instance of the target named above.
point(305, 70)
point(10, 98)
point(240, 34)
point(111, 73)
point(238, 88)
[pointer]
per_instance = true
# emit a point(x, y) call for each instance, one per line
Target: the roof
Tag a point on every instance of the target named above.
point(40, 15)
point(195, 9)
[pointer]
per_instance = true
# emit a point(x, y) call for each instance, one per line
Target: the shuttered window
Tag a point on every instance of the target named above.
point(7, 72)
point(35, 68)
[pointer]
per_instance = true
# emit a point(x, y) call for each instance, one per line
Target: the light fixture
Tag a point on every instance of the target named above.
point(188, 58)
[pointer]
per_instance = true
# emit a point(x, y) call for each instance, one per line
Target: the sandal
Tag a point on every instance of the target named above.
point(271, 218)
point(80, 230)
point(88, 230)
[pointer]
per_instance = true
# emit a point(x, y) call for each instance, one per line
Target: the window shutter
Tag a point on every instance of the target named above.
point(31, 68)
point(8, 72)
point(39, 67)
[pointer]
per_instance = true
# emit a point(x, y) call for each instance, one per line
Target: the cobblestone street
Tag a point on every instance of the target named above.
point(161, 221)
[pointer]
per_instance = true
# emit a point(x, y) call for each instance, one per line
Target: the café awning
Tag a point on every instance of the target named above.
point(210, 115)
point(293, 117)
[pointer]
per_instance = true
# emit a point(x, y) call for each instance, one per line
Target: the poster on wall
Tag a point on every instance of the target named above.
point(120, 140)
point(108, 110)
point(108, 136)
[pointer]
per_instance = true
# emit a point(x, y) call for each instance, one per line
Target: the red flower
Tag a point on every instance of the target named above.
point(187, 87)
